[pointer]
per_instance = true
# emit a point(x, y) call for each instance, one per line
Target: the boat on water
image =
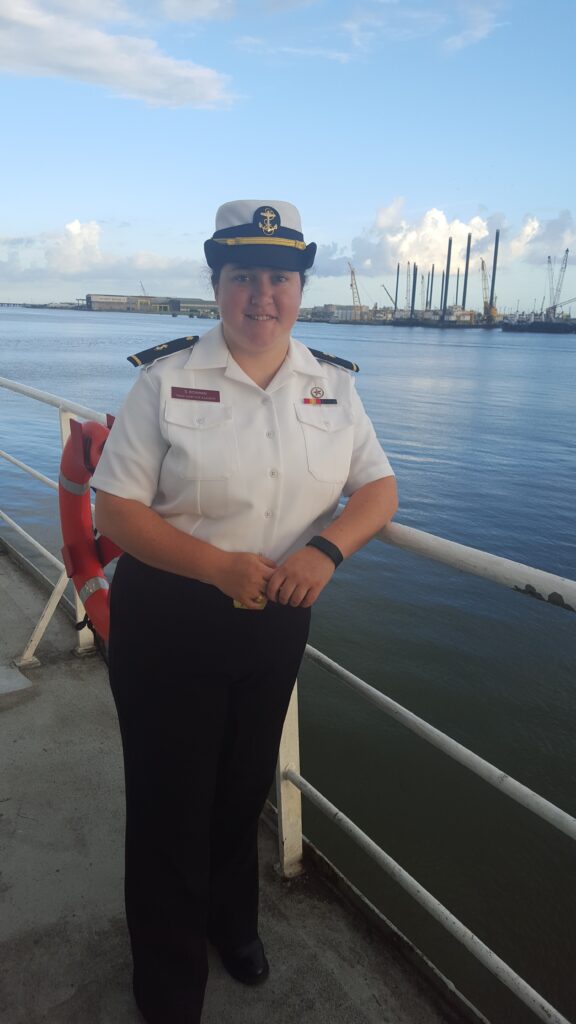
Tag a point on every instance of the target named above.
point(535, 325)
point(62, 800)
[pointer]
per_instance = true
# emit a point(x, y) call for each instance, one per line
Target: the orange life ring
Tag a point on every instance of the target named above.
point(85, 554)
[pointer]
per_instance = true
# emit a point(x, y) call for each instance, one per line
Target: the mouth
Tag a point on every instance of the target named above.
point(259, 318)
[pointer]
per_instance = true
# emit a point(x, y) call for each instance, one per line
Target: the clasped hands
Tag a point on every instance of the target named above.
point(252, 579)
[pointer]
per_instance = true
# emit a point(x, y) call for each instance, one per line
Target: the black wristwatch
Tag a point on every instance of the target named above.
point(327, 548)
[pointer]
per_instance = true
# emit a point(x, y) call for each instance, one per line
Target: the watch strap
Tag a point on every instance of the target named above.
point(327, 548)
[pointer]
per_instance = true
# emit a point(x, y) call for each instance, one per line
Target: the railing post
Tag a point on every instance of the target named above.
point(28, 659)
point(85, 637)
point(288, 797)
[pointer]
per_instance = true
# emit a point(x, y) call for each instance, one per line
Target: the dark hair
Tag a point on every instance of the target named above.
point(215, 277)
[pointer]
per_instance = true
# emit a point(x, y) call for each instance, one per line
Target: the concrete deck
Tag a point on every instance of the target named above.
point(63, 942)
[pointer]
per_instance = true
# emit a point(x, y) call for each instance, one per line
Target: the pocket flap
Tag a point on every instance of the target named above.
point(196, 415)
point(324, 417)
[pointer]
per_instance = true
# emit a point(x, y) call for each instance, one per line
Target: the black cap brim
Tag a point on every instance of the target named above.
point(268, 255)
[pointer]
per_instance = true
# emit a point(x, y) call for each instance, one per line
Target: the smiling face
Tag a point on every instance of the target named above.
point(258, 307)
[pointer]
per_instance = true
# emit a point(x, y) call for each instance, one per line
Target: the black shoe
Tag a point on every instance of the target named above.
point(248, 963)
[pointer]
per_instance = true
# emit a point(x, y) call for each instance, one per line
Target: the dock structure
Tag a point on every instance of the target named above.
point(150, 304)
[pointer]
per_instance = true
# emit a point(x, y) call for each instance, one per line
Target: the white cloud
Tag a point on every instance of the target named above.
point(285, 5)
point(105, 10)
point(194, 10)
point(389, 20)
point(538, 239)
point(76, 250)
point(255, 44)
point(392, 22)
point(519, 244)
point(73, 262)
point(36, 41)
point(395, 239)
point(388, 216)
point(480, 21)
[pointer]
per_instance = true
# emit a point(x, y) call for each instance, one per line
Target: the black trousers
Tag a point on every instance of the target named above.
point(201, 690)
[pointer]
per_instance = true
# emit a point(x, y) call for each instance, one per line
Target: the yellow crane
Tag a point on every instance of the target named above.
point(556, 289)
point(356, 304)
point(489, 311)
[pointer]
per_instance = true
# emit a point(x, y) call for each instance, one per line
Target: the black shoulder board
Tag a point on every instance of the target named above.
point(168, 348)
point(335, 360)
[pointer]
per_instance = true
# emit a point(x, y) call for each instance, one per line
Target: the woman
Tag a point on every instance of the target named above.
point(220, 480)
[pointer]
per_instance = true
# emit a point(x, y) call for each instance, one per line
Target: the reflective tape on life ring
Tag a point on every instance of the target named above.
point(72, 487)
point(92, 586)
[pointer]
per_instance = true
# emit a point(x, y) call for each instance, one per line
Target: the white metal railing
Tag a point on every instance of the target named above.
point(495, 776)
point(290, 783)
point(545, 586)
point(66, 410)
point(83, 411)
point(486, 956)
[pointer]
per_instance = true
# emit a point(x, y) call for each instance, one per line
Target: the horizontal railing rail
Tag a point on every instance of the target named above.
point(544, 586)
point(66, 409)
point(83, 411)
point(486, 956)
point(495, 776)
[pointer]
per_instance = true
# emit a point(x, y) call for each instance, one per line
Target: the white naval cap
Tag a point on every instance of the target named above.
point(258, 232)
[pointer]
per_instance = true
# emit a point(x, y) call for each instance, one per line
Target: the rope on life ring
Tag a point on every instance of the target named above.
point(85, 553)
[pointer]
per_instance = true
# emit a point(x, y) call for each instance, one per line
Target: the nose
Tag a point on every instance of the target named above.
point(261, 289)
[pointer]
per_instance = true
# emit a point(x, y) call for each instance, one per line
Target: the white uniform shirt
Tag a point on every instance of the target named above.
point(243, 468)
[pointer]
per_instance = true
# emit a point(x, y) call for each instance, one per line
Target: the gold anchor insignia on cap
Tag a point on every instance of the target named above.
point(159, 348)
point(268, 216)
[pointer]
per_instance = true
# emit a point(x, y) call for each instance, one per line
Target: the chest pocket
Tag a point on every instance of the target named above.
point(203, 440)
point(329, 437)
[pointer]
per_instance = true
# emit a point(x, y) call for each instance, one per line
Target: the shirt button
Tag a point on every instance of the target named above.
point(200, 419)
point(269, 433)
point(273, 472)
point(268, 514)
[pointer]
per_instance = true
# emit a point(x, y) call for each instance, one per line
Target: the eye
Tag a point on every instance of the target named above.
point(279, 278)
point(241, 277)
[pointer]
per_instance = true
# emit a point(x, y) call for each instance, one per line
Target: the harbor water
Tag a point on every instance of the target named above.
point(480, 427)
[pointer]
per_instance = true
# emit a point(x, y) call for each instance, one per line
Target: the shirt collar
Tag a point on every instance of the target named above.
point(301, 360)
point(211, 352)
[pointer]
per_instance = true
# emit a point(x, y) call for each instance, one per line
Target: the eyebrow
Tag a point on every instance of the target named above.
point(271, 270)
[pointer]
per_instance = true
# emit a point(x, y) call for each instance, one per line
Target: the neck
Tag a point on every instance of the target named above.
point(261, 367)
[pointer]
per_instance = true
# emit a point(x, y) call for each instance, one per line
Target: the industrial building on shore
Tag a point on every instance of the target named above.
point(151, 304)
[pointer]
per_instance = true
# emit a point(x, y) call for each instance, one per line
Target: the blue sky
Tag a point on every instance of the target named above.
point(391, 124)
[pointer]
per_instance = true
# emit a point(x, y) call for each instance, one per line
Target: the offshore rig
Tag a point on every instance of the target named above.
point(455, 315)
point(427, 315)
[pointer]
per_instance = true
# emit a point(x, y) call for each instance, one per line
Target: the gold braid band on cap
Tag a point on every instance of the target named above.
point(260, 241)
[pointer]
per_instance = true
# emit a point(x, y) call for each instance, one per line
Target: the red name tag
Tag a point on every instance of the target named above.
point(196, 394)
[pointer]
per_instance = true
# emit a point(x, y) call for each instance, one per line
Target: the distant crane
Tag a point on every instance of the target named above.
point(556, 290)
point(567, 302)
point(489, 310)
point(407, 301)
point(356, 304)
point(144, 292)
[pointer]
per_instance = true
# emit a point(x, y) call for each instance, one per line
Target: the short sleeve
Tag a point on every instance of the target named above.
point(369, 461)
point(135, 448)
